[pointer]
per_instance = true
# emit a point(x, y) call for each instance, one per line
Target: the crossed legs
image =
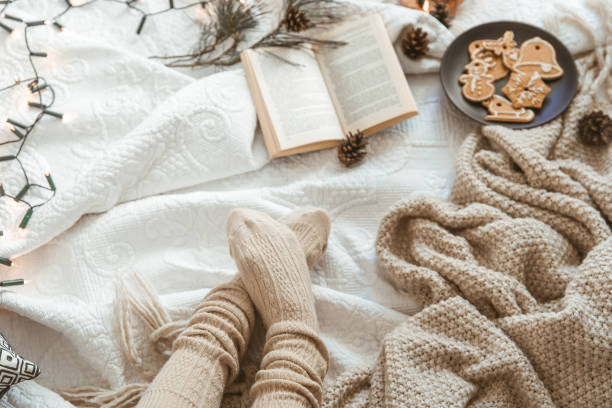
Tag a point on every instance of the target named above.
point(273, 258)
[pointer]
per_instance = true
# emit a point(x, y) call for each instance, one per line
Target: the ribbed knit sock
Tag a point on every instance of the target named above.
point(311, 226)
point(206, 355)
point(274, 270)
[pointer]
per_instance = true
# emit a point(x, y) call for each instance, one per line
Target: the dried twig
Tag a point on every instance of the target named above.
point(223, 35)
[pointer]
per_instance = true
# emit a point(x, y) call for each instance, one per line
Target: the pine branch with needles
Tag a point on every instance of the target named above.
point(223, 35)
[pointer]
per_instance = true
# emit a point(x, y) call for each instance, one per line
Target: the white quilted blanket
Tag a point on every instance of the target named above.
point(150, 160)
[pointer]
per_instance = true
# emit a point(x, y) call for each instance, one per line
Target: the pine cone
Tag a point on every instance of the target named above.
point(296, 20)
point(595, 129)
point(414, 42)
point(353, 149)
point(441, 12)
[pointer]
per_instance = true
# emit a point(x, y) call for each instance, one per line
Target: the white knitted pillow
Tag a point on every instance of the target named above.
point(14, 368)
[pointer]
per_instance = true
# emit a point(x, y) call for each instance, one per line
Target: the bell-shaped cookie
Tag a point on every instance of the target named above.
point(538, 54)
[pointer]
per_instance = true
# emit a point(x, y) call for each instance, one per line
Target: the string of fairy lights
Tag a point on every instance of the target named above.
point(44, 97)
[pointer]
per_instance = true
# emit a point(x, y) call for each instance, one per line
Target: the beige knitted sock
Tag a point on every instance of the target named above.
point(275, 272)
point(207, 353)
point(311, 226)
point(206, 356)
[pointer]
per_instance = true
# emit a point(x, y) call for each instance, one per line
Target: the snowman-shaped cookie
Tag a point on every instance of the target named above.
point(477, 51)
point(477, 83)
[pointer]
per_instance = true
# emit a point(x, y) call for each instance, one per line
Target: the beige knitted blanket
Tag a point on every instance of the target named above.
point(515, 274)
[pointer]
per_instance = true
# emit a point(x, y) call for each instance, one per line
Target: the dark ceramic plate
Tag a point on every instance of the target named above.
point(456, 56)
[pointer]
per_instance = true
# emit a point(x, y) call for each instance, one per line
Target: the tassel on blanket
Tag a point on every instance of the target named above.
point(135, 296)
point(95, 397)
point(145, 304)
point(149, 309)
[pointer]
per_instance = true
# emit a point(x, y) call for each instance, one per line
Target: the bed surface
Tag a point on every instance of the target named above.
point(150, 161)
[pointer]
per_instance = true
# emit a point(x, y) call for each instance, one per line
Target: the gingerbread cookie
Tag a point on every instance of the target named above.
point(477, 52)
point(505, 46)
point(526, 89)
point(540, 55)
point(501, 110)
point(510, 58)
point(477, 83)
point(531, 64)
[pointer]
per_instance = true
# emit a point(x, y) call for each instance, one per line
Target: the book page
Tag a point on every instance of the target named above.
point(300, 108)
point(364, 78)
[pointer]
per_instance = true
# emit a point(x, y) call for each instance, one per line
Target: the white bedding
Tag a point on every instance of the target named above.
point(150, 161)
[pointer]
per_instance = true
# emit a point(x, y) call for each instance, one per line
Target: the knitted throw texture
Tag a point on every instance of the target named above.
point(515, 274)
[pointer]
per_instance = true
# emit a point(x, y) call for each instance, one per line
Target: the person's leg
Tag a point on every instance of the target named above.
point(274, 269)
point(206, 355)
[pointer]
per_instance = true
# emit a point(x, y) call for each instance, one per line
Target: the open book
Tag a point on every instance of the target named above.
point(326, 92)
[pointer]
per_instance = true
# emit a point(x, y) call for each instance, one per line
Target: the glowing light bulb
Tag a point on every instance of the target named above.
point(68, 117)
point(21, 233)
point(203, 12)
point(426, 6)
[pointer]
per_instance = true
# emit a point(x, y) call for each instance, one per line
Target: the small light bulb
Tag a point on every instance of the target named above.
point(21, 234)
point(68, 117)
